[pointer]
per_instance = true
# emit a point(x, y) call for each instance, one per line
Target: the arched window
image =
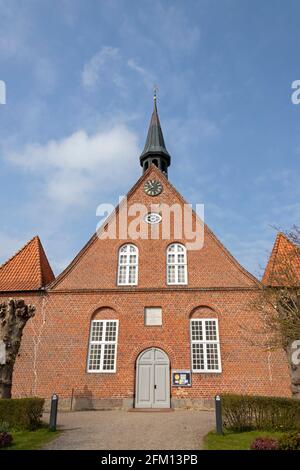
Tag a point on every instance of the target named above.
point(102, 355)
point(205, 345)
point(155, 162)
point(176, 264)
point(128, 265)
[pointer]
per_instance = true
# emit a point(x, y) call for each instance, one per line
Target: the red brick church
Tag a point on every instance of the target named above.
point(143, 322)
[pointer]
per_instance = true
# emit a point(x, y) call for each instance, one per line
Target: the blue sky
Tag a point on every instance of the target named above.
point(79, 77)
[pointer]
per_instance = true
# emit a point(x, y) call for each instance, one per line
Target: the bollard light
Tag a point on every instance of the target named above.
point(53, 412)
point(218, 408)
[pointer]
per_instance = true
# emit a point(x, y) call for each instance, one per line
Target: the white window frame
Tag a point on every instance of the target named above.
point(103, 343)
point(177, 264)
point(128, 265)
point(205, 342)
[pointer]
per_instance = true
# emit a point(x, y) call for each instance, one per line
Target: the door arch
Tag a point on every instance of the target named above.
point(152, 379)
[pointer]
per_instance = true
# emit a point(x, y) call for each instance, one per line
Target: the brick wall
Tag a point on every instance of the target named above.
point(60, 357)
point(53, 355)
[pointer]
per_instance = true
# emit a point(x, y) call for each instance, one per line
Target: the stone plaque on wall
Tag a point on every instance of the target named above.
point(153, 316)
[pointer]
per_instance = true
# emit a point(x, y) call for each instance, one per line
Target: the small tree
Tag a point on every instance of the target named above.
point(14, 315)
point(279, 306)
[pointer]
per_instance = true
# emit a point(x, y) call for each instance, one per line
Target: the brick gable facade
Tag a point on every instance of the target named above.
point(54, 350)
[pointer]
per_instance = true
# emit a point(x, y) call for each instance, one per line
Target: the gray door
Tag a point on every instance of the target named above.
point(152, 379)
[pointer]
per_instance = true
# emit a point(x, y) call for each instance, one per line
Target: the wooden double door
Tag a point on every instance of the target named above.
point(152, 379)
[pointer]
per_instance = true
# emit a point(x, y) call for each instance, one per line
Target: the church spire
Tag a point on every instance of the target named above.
point(155, 149)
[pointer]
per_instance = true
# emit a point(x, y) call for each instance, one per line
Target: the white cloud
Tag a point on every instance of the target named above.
point(96, 69)
point(109, 66)
point(73, 167)
point(148, 77)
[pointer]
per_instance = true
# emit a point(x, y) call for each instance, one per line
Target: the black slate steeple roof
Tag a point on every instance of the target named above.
point(155, 143)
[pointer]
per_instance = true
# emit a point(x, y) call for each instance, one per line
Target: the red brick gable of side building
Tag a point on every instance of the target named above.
point(283, 268)
point(27, 270)
point(171, 335)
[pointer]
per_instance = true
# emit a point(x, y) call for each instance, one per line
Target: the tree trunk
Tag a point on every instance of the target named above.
point(14, 315)
point(6, 373)
point(294, 367)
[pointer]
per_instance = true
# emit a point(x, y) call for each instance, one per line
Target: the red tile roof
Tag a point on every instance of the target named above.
point(28, 269)
point(283, 267)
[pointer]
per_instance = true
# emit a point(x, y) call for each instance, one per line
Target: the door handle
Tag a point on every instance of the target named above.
point(154, 387)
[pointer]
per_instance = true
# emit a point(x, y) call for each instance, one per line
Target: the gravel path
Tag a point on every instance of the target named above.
point(111, 430)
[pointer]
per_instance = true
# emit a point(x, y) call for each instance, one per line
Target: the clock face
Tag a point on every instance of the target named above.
point(153, 187)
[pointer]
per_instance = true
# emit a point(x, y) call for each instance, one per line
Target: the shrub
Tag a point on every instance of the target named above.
point(5, 439)
point(246, 412)
point(264, 443)
point(22, 413)
point(289, 441)
point(4, 426)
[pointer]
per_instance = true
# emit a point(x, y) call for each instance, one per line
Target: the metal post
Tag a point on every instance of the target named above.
point(71, 406)
point(218, 407)
point(53, 412)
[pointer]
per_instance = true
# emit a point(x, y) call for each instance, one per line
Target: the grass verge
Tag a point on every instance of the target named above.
point(235, 441)
point(31, 440)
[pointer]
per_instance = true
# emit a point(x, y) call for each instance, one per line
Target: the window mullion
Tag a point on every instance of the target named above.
point(205, 356)
point(127, 268)
point(102, 346)
point(203, 322)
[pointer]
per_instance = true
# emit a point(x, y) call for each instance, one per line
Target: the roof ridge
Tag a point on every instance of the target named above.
point(18, 252)
point(288, 240)
point(272, 258)
point(39, 260)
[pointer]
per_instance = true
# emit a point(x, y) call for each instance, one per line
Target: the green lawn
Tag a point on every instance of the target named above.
point(235, 441)
point(29, 440)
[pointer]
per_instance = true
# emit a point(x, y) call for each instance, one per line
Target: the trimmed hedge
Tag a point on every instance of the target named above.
point(246, 413)
point(22, 413)
point(289, 441)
